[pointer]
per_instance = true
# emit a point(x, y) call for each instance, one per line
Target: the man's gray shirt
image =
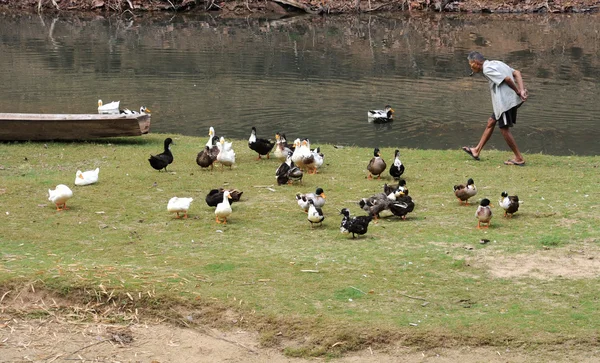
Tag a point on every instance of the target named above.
point(503, 97)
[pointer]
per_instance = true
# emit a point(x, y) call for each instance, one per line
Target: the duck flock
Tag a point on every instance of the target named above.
point(298, 159)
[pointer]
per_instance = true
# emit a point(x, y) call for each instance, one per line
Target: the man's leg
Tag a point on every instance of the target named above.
point(487, 133)
point(510, 141)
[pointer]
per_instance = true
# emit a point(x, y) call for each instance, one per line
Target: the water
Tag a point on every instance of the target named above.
point(313, 77)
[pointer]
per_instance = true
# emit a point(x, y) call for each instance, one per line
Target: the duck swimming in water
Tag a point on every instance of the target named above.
point(381, 116)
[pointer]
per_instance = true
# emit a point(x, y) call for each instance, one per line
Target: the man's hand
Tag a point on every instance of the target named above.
point(524, 94)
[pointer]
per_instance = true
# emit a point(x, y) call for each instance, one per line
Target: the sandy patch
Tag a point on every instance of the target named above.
point(546, 264)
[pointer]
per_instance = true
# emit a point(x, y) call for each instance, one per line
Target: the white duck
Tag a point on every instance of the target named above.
point(109, 108)
point(297, 154)
point(59, 196)
point(211, 134)
point(281, 150)
point(223, 209)
point(86, 177)
point(226, 154)
point(319, 158)
point(179, 205)
point(308, 159)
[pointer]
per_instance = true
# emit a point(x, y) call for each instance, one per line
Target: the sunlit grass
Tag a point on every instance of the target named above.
point(417, 280)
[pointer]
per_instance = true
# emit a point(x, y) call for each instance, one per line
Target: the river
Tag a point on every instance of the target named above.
point(312, 76)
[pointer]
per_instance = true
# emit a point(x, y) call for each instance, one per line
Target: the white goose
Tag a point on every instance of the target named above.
point(179, 205)
point(226, 154)
point(86, 177)
point(59, 196)
point(109, 108)
point(223, 209)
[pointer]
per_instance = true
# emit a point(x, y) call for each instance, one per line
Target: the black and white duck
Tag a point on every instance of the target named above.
point(315, 214)
point(143, 110)
point(397, 169)
point(510, 204)
point(380, 116)
point(465, 191)
point(261, 146)
point(484, 213)
point(355, 225)
point(162, 160)
point(215, 196)
point(376, 165)
point(287, 172)
point(401, 206)
point(395, 189)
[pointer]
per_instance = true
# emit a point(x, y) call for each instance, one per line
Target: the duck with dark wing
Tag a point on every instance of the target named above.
point(484, 213)
point(355, 225)
point(397, 169)
point(510, 204)
point(261, 146)
point(376, 165)
point(162, 160)
point(465, 191)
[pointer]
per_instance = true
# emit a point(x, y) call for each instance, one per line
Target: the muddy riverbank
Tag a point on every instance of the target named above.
point(287, 7)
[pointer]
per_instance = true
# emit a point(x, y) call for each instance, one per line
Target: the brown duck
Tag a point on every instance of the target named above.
point(376, 164)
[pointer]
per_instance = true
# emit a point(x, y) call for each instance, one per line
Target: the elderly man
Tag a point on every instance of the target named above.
point(508, 93)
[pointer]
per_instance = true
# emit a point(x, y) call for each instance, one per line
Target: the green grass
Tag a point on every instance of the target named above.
point(417, 281)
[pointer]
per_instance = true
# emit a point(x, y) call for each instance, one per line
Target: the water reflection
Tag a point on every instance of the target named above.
point(312, 76)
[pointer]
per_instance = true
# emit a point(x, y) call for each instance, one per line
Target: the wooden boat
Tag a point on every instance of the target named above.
point(38, 126)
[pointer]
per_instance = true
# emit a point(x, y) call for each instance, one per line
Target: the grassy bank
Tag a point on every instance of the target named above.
point(426, 281)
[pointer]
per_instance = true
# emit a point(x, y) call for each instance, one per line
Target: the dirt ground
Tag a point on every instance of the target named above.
point(62, 333)
point(57, 340)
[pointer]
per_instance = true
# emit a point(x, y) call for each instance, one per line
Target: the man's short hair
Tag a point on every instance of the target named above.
point(476, 56)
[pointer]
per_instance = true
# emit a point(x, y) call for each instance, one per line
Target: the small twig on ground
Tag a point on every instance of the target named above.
point(315, 271)
point(413, 297)
point(6, 293)
point(87, 346)
point(210, 333)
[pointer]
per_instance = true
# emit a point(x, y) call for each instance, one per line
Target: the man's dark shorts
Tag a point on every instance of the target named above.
point(508, 118)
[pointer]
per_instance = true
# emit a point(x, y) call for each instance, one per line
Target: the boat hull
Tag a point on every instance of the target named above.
point(33, 126)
